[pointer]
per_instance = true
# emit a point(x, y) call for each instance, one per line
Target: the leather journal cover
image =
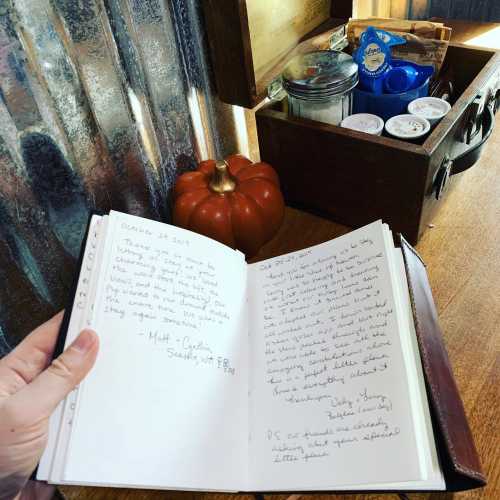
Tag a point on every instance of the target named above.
point(457, 452)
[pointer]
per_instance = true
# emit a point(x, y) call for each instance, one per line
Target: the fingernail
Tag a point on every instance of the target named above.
point(85, 341)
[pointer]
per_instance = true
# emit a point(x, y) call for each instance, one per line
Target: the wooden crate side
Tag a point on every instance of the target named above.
point(231, 53)
point(342, 8)
point(479, 74)
point(345, 175)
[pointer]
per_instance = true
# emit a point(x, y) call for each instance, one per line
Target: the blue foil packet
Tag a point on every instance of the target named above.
point(406, 75)
point(373, 57)
point(388, 38)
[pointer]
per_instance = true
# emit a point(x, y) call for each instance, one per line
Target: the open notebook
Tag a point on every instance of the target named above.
point(300, 372)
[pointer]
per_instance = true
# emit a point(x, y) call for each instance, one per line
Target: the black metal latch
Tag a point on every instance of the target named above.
point(467, 159)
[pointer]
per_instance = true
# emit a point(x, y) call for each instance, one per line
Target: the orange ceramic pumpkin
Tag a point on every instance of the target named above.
point(236, 202)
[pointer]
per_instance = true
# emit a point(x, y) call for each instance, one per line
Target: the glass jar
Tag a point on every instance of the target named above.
point(319, 85)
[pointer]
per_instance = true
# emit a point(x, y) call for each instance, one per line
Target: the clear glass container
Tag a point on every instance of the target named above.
point(319, 85)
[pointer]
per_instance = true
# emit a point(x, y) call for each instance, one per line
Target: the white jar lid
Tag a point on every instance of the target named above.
point(364, 122)
point(432, 108)
point(407, 126)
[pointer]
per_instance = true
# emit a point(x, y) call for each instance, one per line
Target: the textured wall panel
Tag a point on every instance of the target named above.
point(102, 104)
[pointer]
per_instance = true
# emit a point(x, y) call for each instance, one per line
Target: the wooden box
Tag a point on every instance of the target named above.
point(348, 176)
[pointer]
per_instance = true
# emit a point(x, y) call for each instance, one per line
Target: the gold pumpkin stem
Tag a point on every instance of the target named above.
point(222, 181)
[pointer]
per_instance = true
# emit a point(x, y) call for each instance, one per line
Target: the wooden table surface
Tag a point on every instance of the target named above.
point(480, 34)
point(462, 253)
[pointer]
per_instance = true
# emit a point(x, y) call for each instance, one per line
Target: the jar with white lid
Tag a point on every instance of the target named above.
point(319, 85)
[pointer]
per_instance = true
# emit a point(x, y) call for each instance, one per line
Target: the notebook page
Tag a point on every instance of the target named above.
point(426, 444)
point(83, 310)
point(432, 477)
point(77, 318)
point(166, 404)
point(329, 405)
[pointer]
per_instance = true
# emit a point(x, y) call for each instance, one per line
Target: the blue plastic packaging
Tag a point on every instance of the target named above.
point(386, 86)
point(386, 105)
point(373, 57)
point(400, 79)
point(405, 75)
point(388, 38)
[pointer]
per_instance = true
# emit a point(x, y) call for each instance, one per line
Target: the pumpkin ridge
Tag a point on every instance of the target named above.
point(259, 179)
point(254, 201)
point(268, 214)
point(230, 198)
point(201, 188)
point(271, 186)
point(207, 199)
point(254, 173)
point(251, 201)
point(259, 208)
point(198, 205)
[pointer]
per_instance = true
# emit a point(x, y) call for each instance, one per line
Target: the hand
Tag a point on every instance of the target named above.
point(30, 390)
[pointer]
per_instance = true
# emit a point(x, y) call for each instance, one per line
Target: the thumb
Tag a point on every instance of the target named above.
point(39, 398)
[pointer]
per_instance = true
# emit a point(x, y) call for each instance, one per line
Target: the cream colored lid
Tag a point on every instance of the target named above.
point(364, 122)
point(407, 126)
point(431, 108)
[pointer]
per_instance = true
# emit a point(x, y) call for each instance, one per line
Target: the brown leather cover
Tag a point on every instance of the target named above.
point(458, 455)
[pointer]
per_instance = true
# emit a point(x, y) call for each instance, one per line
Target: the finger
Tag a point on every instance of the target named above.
point(40, 398)
point(30, 357)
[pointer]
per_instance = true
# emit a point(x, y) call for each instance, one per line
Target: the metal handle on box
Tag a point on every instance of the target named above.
point(466, 160)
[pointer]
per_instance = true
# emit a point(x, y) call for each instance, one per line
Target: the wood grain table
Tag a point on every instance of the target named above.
point(479, 34)
point(462, 252)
